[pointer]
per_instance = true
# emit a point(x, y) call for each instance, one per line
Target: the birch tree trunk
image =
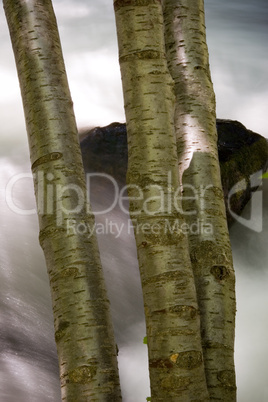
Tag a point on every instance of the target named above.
point(172, 317)
point(203, 205)
point(83, 329)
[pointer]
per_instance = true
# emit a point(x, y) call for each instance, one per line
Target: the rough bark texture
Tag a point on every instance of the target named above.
point(210, 250)
point(83, 330)
point(172, 316)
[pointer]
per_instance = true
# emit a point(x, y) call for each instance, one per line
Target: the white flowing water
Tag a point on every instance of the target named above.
point(28, 363)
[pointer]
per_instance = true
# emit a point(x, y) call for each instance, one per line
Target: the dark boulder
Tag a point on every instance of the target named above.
point(104, 149)
point(241, 153)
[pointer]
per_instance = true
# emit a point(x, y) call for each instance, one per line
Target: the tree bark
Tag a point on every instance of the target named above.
point(172, 316)
point(83, 329)
point(203, 203)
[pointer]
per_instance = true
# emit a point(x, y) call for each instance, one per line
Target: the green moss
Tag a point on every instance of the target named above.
point(243, 163)
point(227, 379)
point(71, 271)
point(83, 374)
point(220, 272)
point(208, 254)
point(186, 312)
point(175, 383)
point(189, 360)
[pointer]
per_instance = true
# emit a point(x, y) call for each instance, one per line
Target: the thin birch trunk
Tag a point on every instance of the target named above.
point(172, 316)
point(195, 125)
point(83, 329)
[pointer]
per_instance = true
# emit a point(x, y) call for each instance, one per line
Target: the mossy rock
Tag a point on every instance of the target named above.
point(241, 154)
